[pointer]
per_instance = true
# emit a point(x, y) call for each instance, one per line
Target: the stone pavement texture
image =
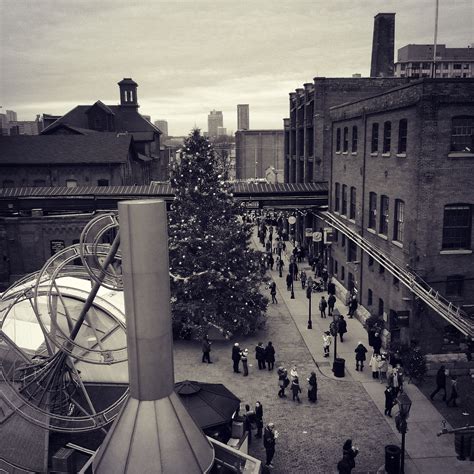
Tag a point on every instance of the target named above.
point(312, 435)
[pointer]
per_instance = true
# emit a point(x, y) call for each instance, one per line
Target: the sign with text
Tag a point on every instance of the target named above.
point(308, 232)
point(56, 246)
point(328, 235)
point(250, 204)
point(317, 236)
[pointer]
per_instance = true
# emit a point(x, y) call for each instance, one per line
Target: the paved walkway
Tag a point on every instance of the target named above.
point(311, 435)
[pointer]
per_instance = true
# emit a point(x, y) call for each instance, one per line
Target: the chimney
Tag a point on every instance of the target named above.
point(153, 433)
point(383, 45)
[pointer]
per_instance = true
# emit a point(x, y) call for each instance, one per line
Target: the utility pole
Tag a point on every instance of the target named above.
point(433, 71)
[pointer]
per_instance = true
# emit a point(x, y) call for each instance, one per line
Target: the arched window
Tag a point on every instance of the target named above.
point(462, 134)
point(457, 227)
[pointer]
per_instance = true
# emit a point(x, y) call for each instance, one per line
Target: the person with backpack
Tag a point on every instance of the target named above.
point(322, 306)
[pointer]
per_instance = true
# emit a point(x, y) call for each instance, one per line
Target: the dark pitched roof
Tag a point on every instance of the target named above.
point(64, 149)
point(78, 131)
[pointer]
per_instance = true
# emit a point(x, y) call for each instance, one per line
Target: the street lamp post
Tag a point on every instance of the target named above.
point(292, 260)
point(334, 326)
point(404, 404)
point(309, 291)
point(279, 259)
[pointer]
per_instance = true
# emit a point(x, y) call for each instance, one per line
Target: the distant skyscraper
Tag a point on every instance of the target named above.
point(162, 125)
point(215, 119)
point(243, 117)
point(221, 131)
point(11, 116)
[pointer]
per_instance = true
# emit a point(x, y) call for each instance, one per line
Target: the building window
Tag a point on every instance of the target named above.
point(381, 269)
point(370, 297)
point(381, 307)
point(387, 137)
point(454, 285)
point(445, 65)
point(372, 210)
point(371, 261)
point(354, 139)
point(336, 235)
point(345, 144)
point(375, 138)
point(343, 273)
point(352, 207)
point(343, 240)
point(8, 183)
point(399, 220)
point(457, 226)
point(457, 66)
point(337, 193)
point(396, 281)
point(402, 135)
point(383, 229)
point(39, 183)
point(352, 251)
point(338, 139)
point(426, 66)
point(462, 134)
point(102, 182)
point(350, 282)
point(335, 267)
point(466, 66)
point(71, 183)
point(344, 200)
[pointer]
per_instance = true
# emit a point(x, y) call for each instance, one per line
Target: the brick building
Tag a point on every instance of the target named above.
point(101, 159)
point(401, 177)
point(256, 151)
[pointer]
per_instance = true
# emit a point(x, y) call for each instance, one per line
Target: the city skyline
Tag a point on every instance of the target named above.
point(250, 58)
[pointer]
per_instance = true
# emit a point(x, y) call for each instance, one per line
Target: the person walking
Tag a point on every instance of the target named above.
point(349, 454)
point(283, 381)
point(377, 343)
point(296, 389)
point(395, 381)
point(325, 277)
point(206, 349)
point(236, 357)
point(342, 326)
point(440, 382)
point(353, 304)
point(260, 355)
point(389, 400)
point(327, 340)
point(312, 388)
point(360, 352)
point(331, 303)
point(259, 419)
point(244, 358)
point(280, 265)
point(303, 279)
point(271, 261)
point(289, 281)
point(294, 373)
point(322, 306)
point(383, 367)
point(270, 355)
point(273, 292)
point(454, 392)
point(374, 364)
point(269, 437)
point(331, 287)
point(293, 269)
point(249, 421)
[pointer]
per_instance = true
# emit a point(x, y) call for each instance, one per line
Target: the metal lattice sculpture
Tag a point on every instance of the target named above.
point(79, 327)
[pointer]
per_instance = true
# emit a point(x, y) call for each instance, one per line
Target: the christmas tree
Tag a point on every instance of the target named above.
point(215, 276)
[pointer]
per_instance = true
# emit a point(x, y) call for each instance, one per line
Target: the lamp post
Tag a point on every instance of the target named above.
point(404, 404)
point(279, 258)
point(309, 291)
point(334, 327)
point(292, 264)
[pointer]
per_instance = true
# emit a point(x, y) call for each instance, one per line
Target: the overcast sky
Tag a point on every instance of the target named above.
point(189, 57)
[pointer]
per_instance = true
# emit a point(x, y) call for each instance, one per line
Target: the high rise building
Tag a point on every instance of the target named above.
point(162, 125)
point(3, 124)
point(383, 45)
point(215, 119)
point(221, 131)
point(11, 116)
point(243, 117)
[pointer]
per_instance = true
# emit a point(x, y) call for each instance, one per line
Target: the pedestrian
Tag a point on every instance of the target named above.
point(360, 351)
point(283, 381)
point(374, 364)
point(244, 357)
point(353, 304)
point(454, 392)
point(293, 269)
point(377, 343)
point(294, 373)
point(206, 349)
point(259, 419)
point(249, 421)
point(280, 264)
point(269, 437)
point(309, 282)
point(331, 303)
point(260, 356)
point(322, 306)
point(383, 367)
point(389, 400)
point(289, 281)
point(273, 291)
point(312, 388)
point(296, 389)
point(342, 326)
point(325, 277)
point(236, 357)
point(440, 382)
point(268, 246)
point(271, 261)
point(349, 452)
point(395, 381)
point(327, 340)
point(270, 355)
point(303, 279)
point(331, 287)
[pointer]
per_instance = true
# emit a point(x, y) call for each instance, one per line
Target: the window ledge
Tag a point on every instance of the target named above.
point(397, 243)
point(344, 152)
point(456, 252)
point(374, 153)
point(372, 231)
point(338, 152)
point(354, 153)
point(401, 155)
point(383, 236)
point(386, 155)
point(460, 154)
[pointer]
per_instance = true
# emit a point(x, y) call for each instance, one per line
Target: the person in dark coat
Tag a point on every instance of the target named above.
point(283, 381)
point(206, 349)
point(331, 303)
point(260, 355)
point(325, 277)
point(249, 420)
point(323, 304)
point(244, 358)
point(389, 400)
point(360, 351)
point(270, 355)
point(296, 389)
point(312, 388)
point(353, 306)
point(289, 281)
point(331, 287)
point(259, 419)
point(440, 382)
point(342, 327)
point(344, 465)
point(454, 392)
point(273, 292)
point(349, 453)
point(236, 357)
point(293, 270)
point(269, 436)
point(377, 343)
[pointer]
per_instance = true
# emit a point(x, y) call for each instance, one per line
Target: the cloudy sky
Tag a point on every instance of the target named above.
point(189, 57)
